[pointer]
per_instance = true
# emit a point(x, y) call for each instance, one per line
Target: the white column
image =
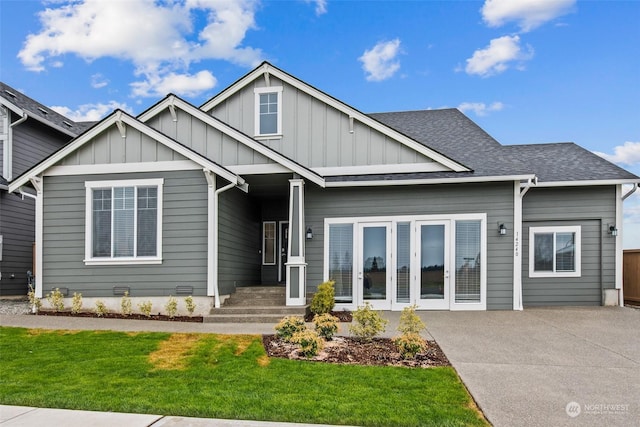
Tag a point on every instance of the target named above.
point(39, 273)
point(296, 266)
point(211, 237)
point(619, 246)
point(517, 246)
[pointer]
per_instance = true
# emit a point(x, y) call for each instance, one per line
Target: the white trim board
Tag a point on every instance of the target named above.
point(168, 166)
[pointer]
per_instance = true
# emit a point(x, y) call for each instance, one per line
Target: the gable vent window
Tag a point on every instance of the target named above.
point(268, 109)
point(124, 222)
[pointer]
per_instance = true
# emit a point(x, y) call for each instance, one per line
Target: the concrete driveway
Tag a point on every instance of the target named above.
point(551, 366)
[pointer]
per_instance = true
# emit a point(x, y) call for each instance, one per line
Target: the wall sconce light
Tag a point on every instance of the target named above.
point(502, 229)
point(309, 234)
point(613, 230)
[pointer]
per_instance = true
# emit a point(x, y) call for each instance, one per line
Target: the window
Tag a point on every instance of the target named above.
point(554, 251)
point(341, 261)
point(468, 285)
point(269, 243)
point(268, 111)
point(124, 222)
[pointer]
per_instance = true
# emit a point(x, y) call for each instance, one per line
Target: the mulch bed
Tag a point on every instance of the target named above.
point(352, 351)
point(195, 319)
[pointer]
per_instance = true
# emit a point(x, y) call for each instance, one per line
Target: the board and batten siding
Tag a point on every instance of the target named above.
point(184, 239)
point(206, 140)
point(592, 208)
point(315, 134)
point(496, 200)
point(238, 241)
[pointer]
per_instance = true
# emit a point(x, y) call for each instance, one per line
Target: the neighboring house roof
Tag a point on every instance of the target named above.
point(21, 104)
point(3, 183)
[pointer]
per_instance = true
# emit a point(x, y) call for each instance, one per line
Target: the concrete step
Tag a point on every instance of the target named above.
point(240, 300)
point(242, 318)
point(261, 290)
point(280, 310)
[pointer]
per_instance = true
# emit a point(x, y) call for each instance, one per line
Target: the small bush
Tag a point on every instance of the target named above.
point(171, 307)
point(410, 322)
point(326, 325)
point(367, 323)
point(101, 309)
point(191, 306)
point(309, 341)
point(409, 344)
point(288, 326)
point(34, 301)
point(145, 308)
point(56, 300)
point(76, 303)
point(125, 304)
point(324, 300)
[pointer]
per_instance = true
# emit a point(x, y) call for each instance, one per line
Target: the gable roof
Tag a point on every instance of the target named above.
point(21, 104)
point(266, 70)
point(174, 101)
point(114, 119)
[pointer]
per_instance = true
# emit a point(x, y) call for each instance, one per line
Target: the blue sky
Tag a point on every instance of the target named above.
point(527, 71)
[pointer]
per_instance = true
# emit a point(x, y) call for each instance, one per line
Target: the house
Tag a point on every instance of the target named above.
point(274, 181)
point(29, 132)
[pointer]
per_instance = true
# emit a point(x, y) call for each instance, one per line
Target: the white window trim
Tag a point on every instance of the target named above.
point(89, 186)
point(556, 229)
point(261, 90)
point(264, 244)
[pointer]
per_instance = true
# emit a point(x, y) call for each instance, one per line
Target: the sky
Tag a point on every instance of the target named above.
point(526, 71)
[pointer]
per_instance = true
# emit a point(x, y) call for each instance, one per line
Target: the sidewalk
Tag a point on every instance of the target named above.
point(24, 416)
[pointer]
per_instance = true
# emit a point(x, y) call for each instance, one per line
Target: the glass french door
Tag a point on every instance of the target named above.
point(374, 265)
point(431, 289)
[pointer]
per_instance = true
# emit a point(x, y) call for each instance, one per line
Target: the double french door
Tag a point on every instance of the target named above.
point(399, 267)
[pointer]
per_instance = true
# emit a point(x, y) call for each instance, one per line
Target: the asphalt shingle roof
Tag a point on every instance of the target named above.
point(453, 134)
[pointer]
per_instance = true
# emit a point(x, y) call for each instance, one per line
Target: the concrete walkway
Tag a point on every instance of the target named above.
point(538, 367)
point(547, 367)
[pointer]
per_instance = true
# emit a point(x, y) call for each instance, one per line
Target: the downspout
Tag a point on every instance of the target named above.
point(520, 190)
point(212, 247)
point(24, 117)
point(619, 250)
point(630, 192)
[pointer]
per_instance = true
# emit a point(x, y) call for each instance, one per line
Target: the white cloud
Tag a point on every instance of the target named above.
point(91, 112)
point(157, 37)
point(480, 108)
point(98, 81)
point(626, 154)
point(529, 14)
point(496, 58)
point(180, 84)
point(380, 62)
point(321, 6)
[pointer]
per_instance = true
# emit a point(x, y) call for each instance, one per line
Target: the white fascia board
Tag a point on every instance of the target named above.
point(233, 133)
point(143, 128)
point(110, 168)
point(383, 183)
point(587, 183)
point(338, 105)
point(378, 169)
point(22, 111)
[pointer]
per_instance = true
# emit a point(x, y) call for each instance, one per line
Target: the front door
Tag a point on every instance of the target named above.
point(284, 245)
point(432, 287)
point(374, 265)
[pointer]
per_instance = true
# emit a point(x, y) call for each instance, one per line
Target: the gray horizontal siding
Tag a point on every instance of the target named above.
point(592, 208)
point(314, 133)
point(496, 200)
point(32, 142)
point(184, 242)
point(17, 218)
point(238, 241)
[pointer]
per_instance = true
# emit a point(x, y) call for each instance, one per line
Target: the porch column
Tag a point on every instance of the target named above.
point(296, 265)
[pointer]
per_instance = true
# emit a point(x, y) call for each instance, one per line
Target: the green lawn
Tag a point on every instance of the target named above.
point(218, 376)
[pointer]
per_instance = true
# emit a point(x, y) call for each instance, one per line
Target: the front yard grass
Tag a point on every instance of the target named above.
point(218, 376)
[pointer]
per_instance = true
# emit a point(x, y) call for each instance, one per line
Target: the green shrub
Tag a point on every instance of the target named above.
point(171, 307)
point(409, 344)
point(56, 300)
point(410, 322)
point(324, 300)
point(288, 326)
point(34, 301)
point(309, 341)
point(76, 303)
point(101, 309)
point(191, 306)
point(125, 304)
point(145, 308)
point(326, 325)
point(367, 323)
